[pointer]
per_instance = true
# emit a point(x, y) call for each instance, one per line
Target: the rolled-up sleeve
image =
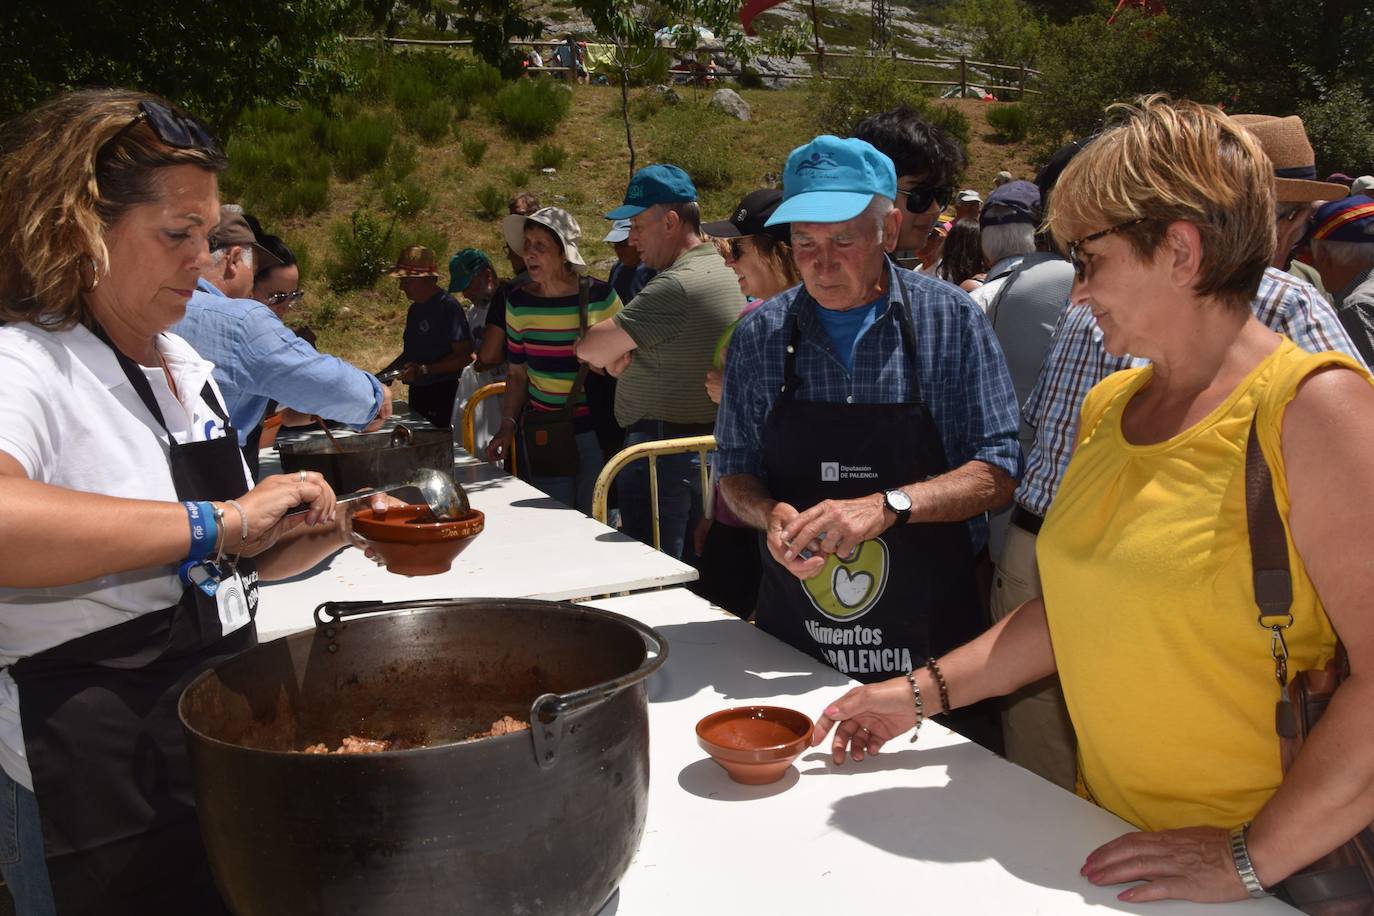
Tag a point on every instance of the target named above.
point(745, 401)
point(279, 365)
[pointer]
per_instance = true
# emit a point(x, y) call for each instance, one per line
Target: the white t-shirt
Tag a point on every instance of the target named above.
point(71, 419)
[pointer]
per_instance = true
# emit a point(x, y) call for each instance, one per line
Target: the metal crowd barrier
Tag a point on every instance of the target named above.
point(652, 450)
point(469, 419)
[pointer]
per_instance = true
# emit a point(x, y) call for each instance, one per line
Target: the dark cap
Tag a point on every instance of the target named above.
point(234, 229)
point(749, 218)
point(1013, 202)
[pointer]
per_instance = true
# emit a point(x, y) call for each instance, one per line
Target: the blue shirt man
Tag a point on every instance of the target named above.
point(257, 359)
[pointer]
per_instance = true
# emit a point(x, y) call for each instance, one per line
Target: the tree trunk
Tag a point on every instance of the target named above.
point(625, 110)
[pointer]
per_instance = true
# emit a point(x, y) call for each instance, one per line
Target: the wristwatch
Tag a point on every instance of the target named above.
point(424, 369)
point(899, 503)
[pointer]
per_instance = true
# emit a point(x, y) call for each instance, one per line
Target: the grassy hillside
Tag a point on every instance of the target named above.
point(727, 158)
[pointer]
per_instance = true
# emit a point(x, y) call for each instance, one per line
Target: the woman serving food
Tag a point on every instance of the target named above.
point(132, 536)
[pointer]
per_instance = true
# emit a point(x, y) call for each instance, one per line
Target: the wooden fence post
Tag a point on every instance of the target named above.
point(963, 76)
point(1021, 85)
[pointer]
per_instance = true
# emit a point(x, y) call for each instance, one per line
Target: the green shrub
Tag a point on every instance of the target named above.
point(1011, 120)
point(362, 251)
point(424, 234)
point(473, 150)
point(531, 108)
point(645, 105)
point(359, 145)
point(491, 202)
point(517, 177)
point(431, 122)
point(549, 156)
point(276, 174)
point(1341, 128)
point(462, 109)
point(401, 163)
point(873, 86)
point(406, 198)
point(702, 142)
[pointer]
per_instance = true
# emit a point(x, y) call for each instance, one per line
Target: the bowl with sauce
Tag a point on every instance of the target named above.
point(412, 542)
point(755, 744)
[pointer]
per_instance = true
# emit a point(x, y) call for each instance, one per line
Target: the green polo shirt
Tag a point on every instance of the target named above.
point(675, 322)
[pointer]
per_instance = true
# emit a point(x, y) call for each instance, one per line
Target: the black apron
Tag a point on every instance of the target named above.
point(101, 731)
point(899, 598)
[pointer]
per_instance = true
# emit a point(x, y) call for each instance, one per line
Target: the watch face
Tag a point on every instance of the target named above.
point(898, 501)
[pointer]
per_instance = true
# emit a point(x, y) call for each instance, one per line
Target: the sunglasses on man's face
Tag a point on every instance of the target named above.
point(1080, 267)
point(286, 299)
point(175, 129)
point(918, 200)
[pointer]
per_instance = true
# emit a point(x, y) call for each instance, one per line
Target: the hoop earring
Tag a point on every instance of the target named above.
point(94, 268)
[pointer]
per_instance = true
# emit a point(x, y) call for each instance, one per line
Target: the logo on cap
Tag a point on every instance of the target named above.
point(741, 215)
point(635, 192)
point(820, 162)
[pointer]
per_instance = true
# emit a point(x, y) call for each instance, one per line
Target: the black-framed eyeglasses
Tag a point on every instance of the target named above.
point(918, 200)
point(177, 130)
point(1080, 268)
point(287, 299)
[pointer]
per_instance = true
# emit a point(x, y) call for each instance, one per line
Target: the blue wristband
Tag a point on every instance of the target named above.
point(201, 516)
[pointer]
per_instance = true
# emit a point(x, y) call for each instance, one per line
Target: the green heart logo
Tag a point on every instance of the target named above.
point(846, 588)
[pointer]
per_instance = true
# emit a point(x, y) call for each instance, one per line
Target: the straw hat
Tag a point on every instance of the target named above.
point(415, 261)
point(1295, 165)
point(562, 224)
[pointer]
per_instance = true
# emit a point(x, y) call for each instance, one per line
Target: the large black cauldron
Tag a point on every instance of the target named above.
point(540, 821)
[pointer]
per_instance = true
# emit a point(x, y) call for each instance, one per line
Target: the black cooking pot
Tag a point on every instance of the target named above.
point(543, 820)
point(370, 459)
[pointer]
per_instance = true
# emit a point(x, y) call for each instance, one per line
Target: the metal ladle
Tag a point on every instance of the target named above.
point(445, 498)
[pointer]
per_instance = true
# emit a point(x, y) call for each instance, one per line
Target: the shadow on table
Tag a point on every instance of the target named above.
point(989, 810)
point(707, 779)
point(754, 667)
point(541, 502)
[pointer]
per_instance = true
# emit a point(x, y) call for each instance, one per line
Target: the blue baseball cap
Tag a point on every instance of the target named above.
point(830, 180)
point(655, 184)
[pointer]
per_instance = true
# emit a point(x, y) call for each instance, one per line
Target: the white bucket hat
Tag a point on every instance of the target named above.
point(559, 221)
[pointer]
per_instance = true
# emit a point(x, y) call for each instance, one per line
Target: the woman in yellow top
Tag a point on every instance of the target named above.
point(1148, 612)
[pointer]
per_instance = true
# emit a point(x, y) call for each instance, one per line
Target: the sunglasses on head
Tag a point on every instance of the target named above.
point(289, 299)
point(918, 200)
point(1080, 267)
point(175, 129)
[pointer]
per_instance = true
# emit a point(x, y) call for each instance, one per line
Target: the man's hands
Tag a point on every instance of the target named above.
point(836, 525)
point(501, 443)
point(383, 412)
point(410, 372)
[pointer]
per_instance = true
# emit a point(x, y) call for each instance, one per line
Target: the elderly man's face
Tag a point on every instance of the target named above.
point(651, 236)
point(842, 264)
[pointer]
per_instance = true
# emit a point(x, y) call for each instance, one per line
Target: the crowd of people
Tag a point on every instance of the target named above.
point(986, 455)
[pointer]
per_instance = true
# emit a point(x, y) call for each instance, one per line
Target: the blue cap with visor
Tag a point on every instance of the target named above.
point(830, 180)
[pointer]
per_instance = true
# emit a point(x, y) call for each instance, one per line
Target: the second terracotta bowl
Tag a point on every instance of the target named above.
point(755, 744)
point(412, 542)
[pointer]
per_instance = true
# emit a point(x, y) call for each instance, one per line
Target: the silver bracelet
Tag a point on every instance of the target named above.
point(1240, 854)
point(243, 521)
point(920, 712)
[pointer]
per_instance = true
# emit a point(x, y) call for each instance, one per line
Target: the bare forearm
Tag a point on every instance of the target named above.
point(452, 363)
point(1328, 796)
point(52, 536)
point(298, 552)
point(960, 494)
point(493, 351)
point(1014, 653)
point(748, 498)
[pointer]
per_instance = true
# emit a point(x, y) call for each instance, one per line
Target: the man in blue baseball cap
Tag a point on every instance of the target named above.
point(866, 425)
point(661, 344)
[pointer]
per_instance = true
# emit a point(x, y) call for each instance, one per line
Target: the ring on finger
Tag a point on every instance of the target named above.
point(300, 475)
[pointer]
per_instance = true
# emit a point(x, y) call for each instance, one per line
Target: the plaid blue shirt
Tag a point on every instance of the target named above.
point(1076, 362)
point(963, 376)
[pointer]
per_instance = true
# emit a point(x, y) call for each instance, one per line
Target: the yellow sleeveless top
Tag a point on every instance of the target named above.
point(1145, 561)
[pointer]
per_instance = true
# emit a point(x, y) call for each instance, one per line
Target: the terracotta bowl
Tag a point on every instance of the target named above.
point(412, 543)
point(755, 744)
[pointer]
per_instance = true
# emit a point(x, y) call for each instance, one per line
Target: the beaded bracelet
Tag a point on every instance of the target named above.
point(920, 712)
point(939, 682)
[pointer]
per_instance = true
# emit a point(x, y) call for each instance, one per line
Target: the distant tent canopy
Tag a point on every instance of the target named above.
point(751, 9)
point(1147, 7)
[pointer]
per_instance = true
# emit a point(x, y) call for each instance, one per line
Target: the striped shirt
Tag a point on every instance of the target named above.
point(963, 377)
point(1076, 362)
point(540, 333)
